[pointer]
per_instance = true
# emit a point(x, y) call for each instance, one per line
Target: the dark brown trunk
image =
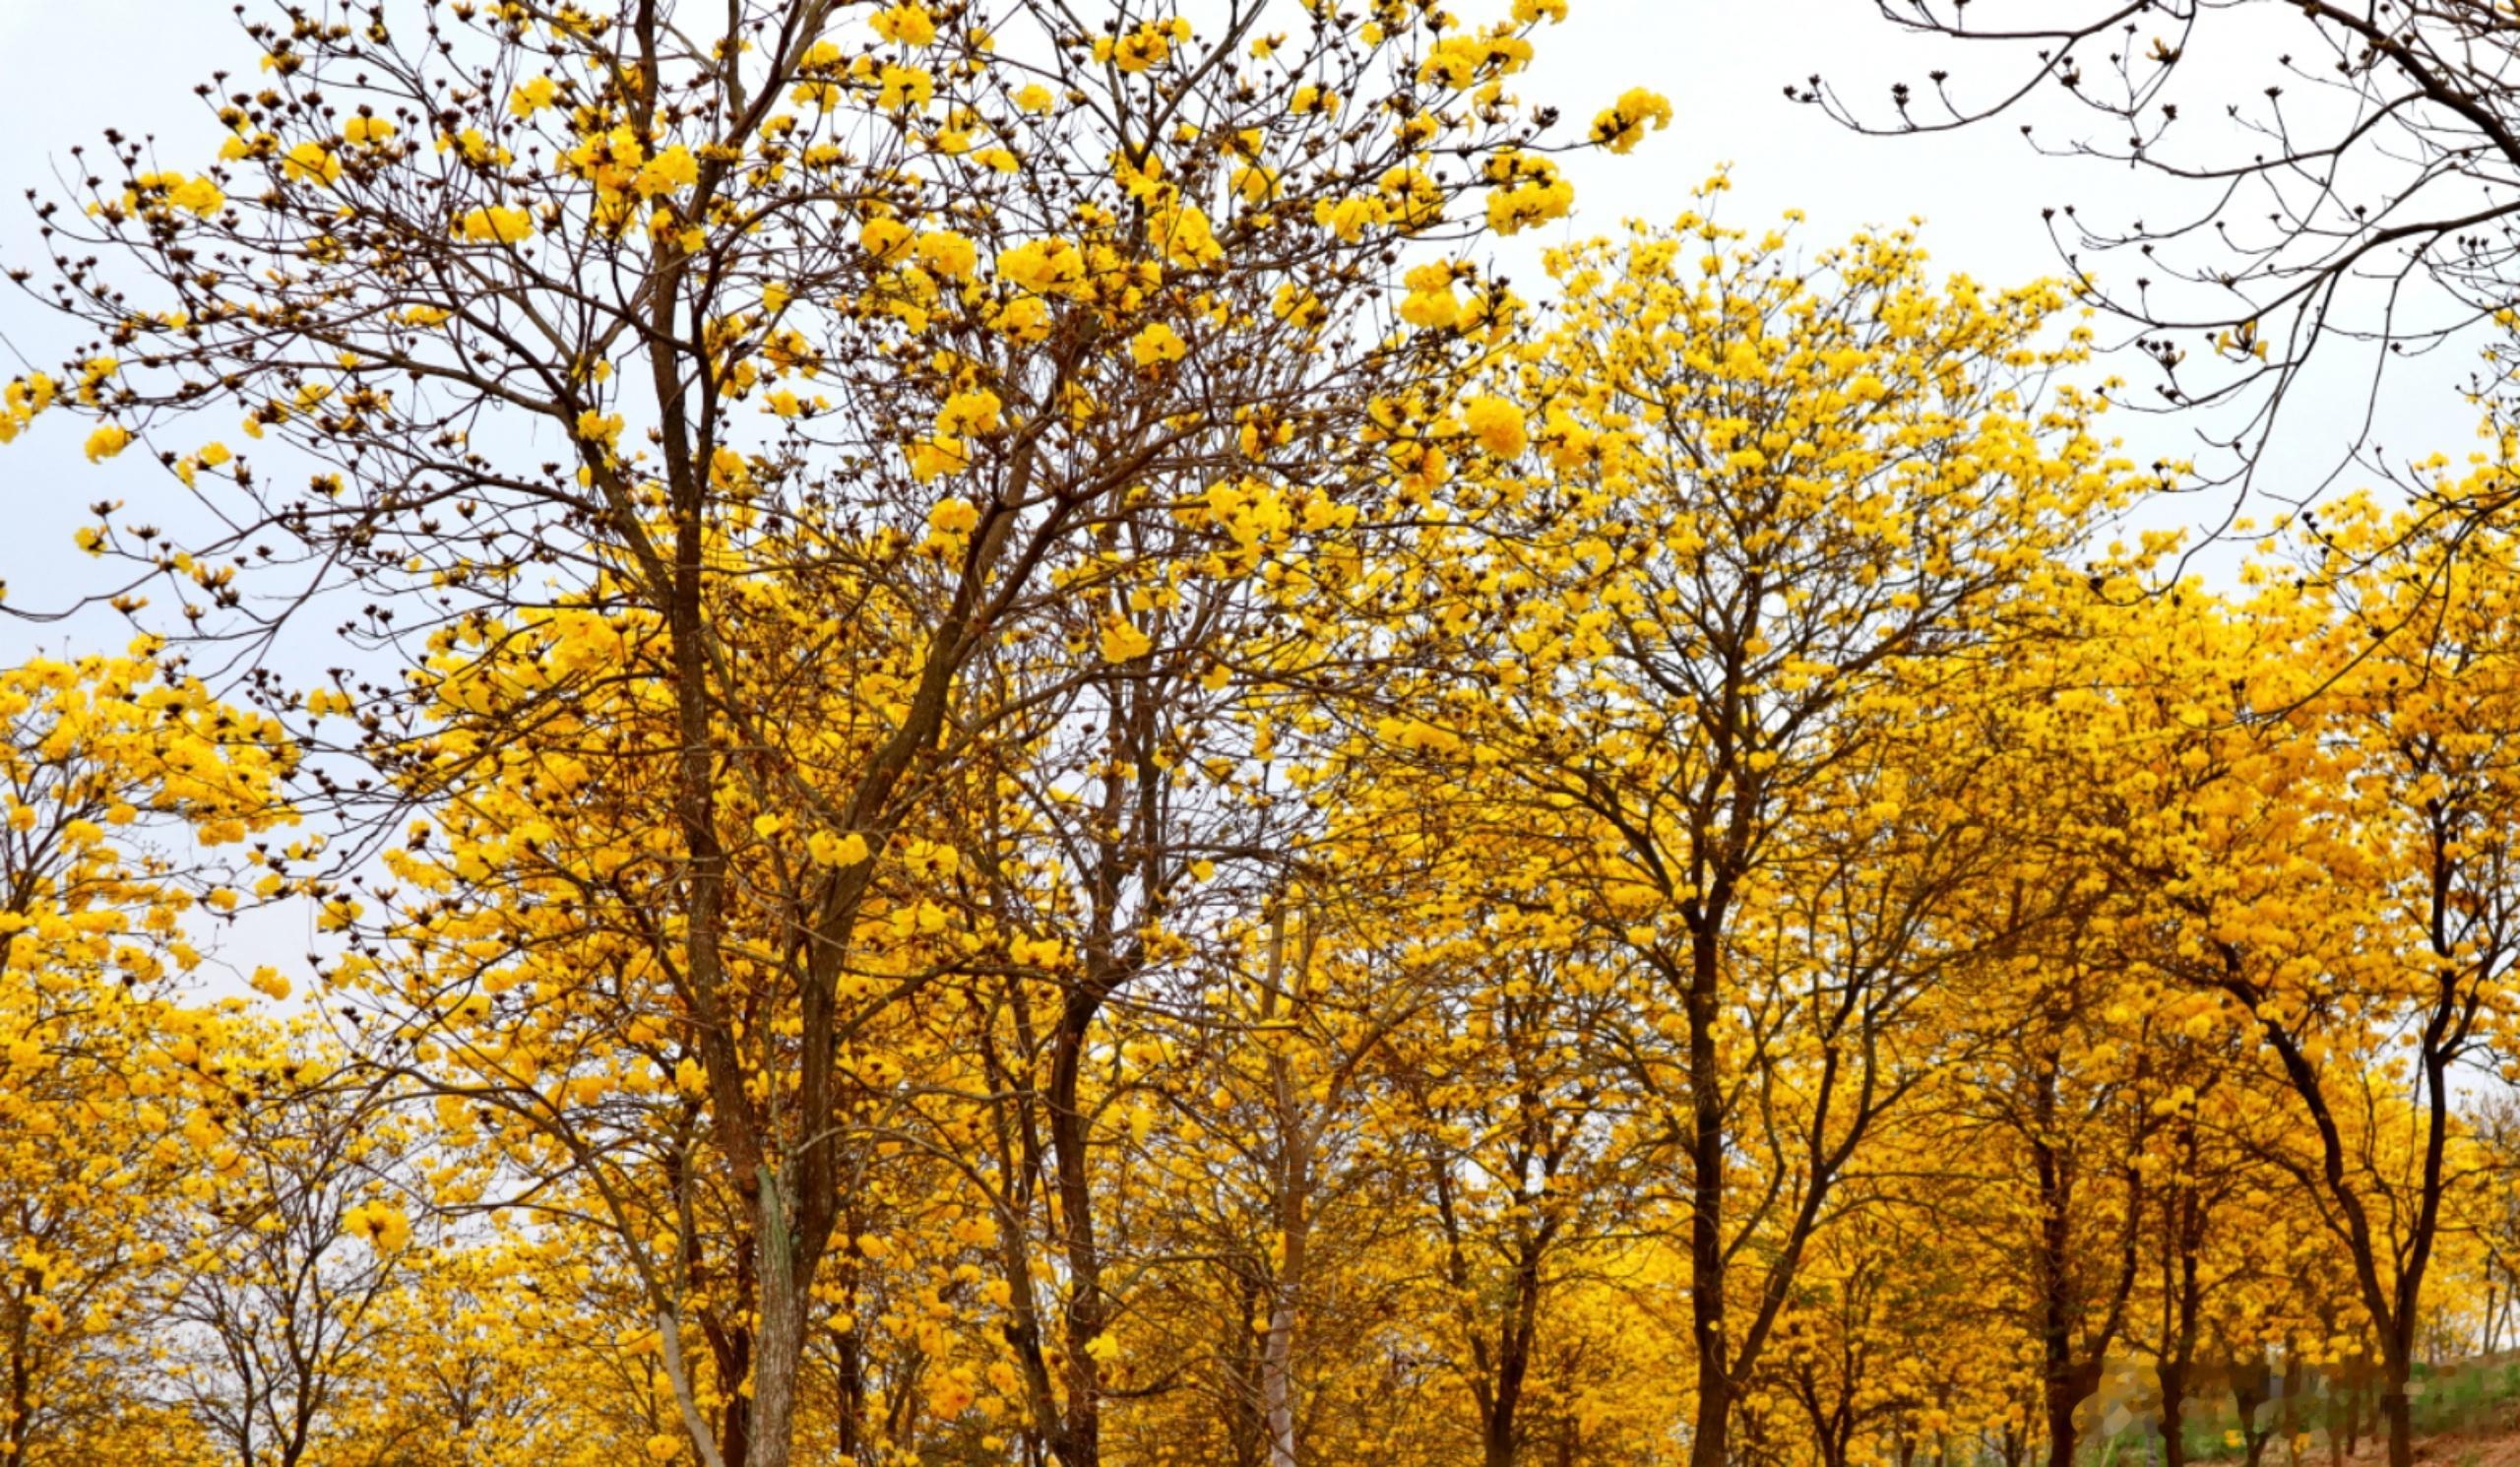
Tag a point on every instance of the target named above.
point(2173, 1380)
point(1502, 1434)
point(2067, 1385)
point(1496, 1439)
point(1080, 1438)
point(732, 1350)
point(2248, 1378)
point(848, 1374)
point(2340, 1414)
point(2060, 1375)
point(2288, 1412)
point(20, 1384)
point(1707, 1446)
point(2396, 1413)
point(2186, 1305)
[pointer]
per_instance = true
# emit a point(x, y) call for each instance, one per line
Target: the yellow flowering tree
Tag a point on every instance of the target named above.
point(127, 789)
point(1736, 532)
point(918, 310)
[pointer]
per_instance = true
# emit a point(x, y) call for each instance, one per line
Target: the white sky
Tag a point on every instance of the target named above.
point(74, 67)
point(71, 68)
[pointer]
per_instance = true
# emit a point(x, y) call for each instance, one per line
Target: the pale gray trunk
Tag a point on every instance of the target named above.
point(774, 1389)
point(687, 1405)
point(780, 1349)
point(1294, 1218)
point(1277, 1377)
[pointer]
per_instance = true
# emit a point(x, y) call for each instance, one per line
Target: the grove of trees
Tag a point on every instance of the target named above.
point(987, 756)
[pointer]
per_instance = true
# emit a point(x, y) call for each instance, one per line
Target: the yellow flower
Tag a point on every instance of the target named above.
point(1025, 319)
point(107, 441)
point(909, 24)
point(199, 195)
point(1431, 311)
point(939, 455)
point(367, 131)
point(667, 172)
point(498, 223)
point(1620, 127)
point(905, 88)
point(1498, 425)
point(1156, 346)
point(1255, 184)
point(1044, 267)
point(965, 412)
point(1187, 237)
point(311, 163)
point(946, 253)
point(884, 238)
point(1143, 48)
point(1122, 642)
point(832, 849)
point(385, 1229)
point(1350, 218)
point(532, 97)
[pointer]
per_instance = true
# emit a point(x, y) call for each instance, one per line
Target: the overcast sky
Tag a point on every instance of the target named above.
point(74, 69)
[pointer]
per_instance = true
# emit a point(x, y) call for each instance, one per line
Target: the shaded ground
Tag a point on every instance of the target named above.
point(2466, 1415)
point(2460, 1449)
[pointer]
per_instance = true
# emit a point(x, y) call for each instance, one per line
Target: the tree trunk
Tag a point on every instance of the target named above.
point(20, 1384)
point(1279, 1347)
point(2249, 1398)
point(2353, 1383)
point(1079, 1440)
point(1496, 1438)
point(1295, 1221)
point(2186, 1305)
point(2064, 1380)
point(1277, 1368)
point(2288, 1407)
point(1833, 1443)
point(732, 1351)
point(1513, 1363)
point(2065, 1391)
point(850, 1382)
point(2396, 1410)
point(1707, 1445)
point(2174, 1377)
point(2050, 1270)
point(787, 1297)
point(2340, 1416)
